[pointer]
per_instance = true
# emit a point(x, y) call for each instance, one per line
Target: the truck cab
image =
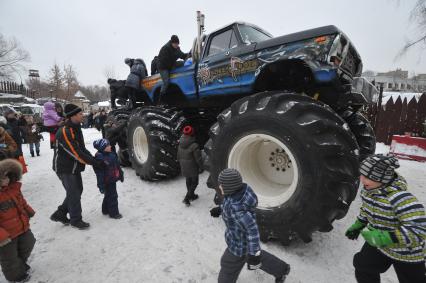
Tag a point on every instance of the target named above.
point(241, 59)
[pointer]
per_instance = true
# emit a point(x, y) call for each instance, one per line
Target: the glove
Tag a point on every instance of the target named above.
point(101, 189)
point(253, 261)
point(5, 242)
point(353, 232)
point(215, 211)
point(377, 238)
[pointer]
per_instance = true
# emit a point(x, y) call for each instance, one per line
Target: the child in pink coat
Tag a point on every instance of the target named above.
point(51, 120)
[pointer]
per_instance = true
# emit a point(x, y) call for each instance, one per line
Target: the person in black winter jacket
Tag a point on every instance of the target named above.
point(191, 162)
point(167, 58)
point(138, 72)
point(118, 91)
point(70, 159)
point(115, 133)
point(14, 130)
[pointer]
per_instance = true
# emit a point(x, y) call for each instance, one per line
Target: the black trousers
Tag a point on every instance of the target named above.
point(231, 266)
point(73, 185)
point(110, 202)
point(369, 263)
point(191, 185)
point(14, 256)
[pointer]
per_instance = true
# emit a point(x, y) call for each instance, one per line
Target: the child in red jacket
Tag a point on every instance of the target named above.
point(16, 239)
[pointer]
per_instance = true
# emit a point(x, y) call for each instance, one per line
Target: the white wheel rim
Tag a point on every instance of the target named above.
point(268, 166)
point(140, 145)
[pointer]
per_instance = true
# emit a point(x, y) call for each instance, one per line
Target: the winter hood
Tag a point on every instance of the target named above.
point(10, 166)
point(49, 106)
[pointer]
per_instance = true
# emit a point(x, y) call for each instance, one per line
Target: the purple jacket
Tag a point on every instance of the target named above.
point(50, 117)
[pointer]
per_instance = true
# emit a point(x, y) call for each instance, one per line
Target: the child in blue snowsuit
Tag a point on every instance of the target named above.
point(108, 177)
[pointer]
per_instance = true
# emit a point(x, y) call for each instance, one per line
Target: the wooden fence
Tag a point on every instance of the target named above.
point(398, 116)
point(14, 88)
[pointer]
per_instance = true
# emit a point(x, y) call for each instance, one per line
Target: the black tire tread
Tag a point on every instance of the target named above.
point(329, 133)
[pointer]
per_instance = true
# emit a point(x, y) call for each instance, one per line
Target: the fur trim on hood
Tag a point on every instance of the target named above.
point(11, 166)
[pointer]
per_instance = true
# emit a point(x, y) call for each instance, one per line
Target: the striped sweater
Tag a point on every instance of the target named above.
point(391, 208)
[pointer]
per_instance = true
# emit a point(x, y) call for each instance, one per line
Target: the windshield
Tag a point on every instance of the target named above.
point(26, 110)
point(251, 35)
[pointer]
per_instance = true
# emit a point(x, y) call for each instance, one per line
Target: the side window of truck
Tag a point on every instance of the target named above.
point(220, 42)
point(234, 41)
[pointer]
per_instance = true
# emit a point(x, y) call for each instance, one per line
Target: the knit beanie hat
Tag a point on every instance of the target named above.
point(379, 168)
point(71, 110)
point(230, 180)
point(101, 144)
point(188, 131)
point(175, 39)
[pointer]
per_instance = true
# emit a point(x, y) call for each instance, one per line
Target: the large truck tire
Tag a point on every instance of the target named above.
point(297, 154)
point(364, 134)
point(120, 116)
point(153, 135)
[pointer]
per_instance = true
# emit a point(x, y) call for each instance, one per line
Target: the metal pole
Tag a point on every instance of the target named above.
point(379, 107)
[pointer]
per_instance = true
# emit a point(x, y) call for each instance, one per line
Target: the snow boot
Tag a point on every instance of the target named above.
point(25, 278)
point(186, 201)
point(38, 153)
point(193, 197)
point(81, 225)
point(282, 278)
point(32, 154)
point(118, 216)
point(58, 216)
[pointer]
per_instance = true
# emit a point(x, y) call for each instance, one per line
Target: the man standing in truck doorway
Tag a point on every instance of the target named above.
point(167, 58)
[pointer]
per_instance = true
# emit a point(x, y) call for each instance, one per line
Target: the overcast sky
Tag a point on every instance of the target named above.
point(93, 35)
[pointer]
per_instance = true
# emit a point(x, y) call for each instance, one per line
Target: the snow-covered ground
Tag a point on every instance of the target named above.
point(160, 240)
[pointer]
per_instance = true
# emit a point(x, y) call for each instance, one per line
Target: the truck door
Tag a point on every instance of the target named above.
point(214, 75)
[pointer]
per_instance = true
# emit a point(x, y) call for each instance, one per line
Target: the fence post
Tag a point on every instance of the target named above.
point(379, 106)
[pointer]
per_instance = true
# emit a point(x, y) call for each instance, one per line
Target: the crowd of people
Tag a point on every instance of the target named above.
point(391, 220)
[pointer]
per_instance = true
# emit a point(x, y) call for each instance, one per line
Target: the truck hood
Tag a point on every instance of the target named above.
point(298, 36)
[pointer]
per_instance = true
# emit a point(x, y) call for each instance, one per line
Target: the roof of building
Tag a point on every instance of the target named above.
point(80, 95)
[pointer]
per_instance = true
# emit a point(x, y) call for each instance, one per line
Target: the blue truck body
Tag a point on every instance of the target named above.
point(236, 71)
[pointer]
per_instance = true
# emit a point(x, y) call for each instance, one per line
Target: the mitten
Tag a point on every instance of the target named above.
point(377, 238)
point(253, 261)
point(353, 231)
point(5, 242)
point(215, 211)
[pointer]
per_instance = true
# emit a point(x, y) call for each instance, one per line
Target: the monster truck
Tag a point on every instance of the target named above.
point(282, 110)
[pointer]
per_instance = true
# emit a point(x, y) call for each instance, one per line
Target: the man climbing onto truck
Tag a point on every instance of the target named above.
point(167, 58)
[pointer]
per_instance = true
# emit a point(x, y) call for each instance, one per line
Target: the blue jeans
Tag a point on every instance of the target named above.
point(37, 147)
point(110, 202)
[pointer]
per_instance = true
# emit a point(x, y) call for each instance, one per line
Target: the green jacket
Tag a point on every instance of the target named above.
point(392, 208)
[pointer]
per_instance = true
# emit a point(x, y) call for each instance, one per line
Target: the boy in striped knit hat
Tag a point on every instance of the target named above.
point(393, 223)
point(242, 233)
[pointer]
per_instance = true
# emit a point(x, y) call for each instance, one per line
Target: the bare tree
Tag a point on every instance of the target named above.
point(418, 17)
point(70, 81)
point(56, 80)
point(11, 57)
